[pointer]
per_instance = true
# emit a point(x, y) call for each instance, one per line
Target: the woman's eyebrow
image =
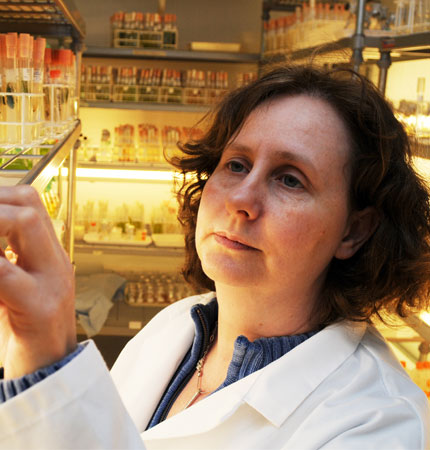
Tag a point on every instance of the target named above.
point(282, 155)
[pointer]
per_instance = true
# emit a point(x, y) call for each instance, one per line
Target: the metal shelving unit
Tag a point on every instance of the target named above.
point(52, 19)
point(163, 167)
point(115, 249)
point(142, 106)
point(163, 55)
point(406, 47)
point(390, 47)
point(46, 165)
point(173, 55)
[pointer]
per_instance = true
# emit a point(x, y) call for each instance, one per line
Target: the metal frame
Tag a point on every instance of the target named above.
point(49, 165)
point(54, 19)
point(177, 55)
point(412, 46)
point(142, 106)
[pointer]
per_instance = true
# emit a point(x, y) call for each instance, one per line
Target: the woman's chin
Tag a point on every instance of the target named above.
point(232, 274)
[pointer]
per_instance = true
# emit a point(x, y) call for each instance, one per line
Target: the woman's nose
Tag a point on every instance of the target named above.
point(245, 198)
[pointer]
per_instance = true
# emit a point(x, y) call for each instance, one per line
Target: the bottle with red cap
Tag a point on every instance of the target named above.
point(25, 73)
point(11, 81)
point(170, 31)
point(46, 84)
point(36, 102)
point(25, 69)
point(56, 92)
point(38, 64)
point(59, 88)
point(2, 89)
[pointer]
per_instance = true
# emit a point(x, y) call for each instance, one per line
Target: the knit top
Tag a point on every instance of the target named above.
point(248, 357)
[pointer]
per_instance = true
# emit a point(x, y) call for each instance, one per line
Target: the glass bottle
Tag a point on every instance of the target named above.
point(11, 80)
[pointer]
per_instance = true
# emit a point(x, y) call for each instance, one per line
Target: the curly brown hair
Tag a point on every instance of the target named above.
point(391, 270)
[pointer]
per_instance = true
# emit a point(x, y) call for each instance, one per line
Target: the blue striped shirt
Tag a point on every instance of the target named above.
point(248, 357)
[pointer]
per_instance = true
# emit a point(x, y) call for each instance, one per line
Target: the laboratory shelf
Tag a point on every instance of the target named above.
point(141, 106)
point(115, 249)
point(279, 5)
point(46, 166)
point(174, 55)
point(402, 47)
point(162, 167)
point(112, 330)
point(57, 18)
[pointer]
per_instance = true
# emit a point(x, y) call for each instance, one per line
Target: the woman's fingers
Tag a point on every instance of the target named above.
point(37, 317)
point(25, 195)
point(16, 287)
point(30, 237)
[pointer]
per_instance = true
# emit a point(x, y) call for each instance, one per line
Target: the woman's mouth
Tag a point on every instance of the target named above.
point(232, 243)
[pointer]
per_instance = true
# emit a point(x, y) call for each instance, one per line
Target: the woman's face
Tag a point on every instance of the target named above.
point(275, 211)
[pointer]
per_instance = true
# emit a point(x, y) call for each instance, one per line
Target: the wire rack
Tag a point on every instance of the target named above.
point(50, 16)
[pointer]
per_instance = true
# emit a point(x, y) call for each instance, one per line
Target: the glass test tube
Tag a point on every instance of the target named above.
point(12, 102)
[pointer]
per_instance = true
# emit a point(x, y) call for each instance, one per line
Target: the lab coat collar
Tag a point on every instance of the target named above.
point(308, 365)
point(265, 391)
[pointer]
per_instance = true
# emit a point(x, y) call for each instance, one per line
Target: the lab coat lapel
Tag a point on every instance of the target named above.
point(287, 382)
point(204, 415)
point(274, 391)
point(146, 365)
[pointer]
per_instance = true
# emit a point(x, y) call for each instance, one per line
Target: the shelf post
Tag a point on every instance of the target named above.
point(265, 17)
point(71, 195)
point(77, 47)
point(358, 38)
point(384, 63)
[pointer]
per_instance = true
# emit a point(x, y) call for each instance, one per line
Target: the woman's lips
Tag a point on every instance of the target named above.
point(230, 243)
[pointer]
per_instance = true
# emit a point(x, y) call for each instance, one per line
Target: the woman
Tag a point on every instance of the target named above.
point(305, 219)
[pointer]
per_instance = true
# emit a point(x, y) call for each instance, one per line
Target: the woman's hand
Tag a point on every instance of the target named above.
point(37, 317)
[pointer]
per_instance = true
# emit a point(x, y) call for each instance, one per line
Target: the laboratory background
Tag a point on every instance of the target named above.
point(94, 95)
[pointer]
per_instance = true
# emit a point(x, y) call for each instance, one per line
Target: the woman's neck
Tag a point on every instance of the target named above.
point(252, 314)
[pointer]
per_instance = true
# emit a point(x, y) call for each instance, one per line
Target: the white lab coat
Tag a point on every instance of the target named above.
point(340, 389)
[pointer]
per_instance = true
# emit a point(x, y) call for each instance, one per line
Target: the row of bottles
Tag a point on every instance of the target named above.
point(245, 78)
point(317, 23)
point(156, 288)
point(415, 115)
point(144, 143)
point(37, 96)
point(155, 85)
point(21, 86)
point(309, 25)
point(127, 222)
point(154, 77)
point(144, 30)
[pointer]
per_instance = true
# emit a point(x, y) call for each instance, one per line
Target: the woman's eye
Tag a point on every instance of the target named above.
point(236, 166)
point(291, 181)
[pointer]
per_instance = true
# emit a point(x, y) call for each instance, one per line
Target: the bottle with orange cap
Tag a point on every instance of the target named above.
point(25, 83)
point(11, 82)
point(2, 89)
point(38, 70)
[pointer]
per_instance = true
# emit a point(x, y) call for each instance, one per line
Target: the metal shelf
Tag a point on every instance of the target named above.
point(175, 55)
point(407, 47)
point(47, 166)
point(57, 18)
point(126, 166)
point(415, 42)
point(114, 249)
point(276, 5)
point(141, 106)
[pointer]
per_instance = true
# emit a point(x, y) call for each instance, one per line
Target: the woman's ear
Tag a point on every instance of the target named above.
point(362, 224)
